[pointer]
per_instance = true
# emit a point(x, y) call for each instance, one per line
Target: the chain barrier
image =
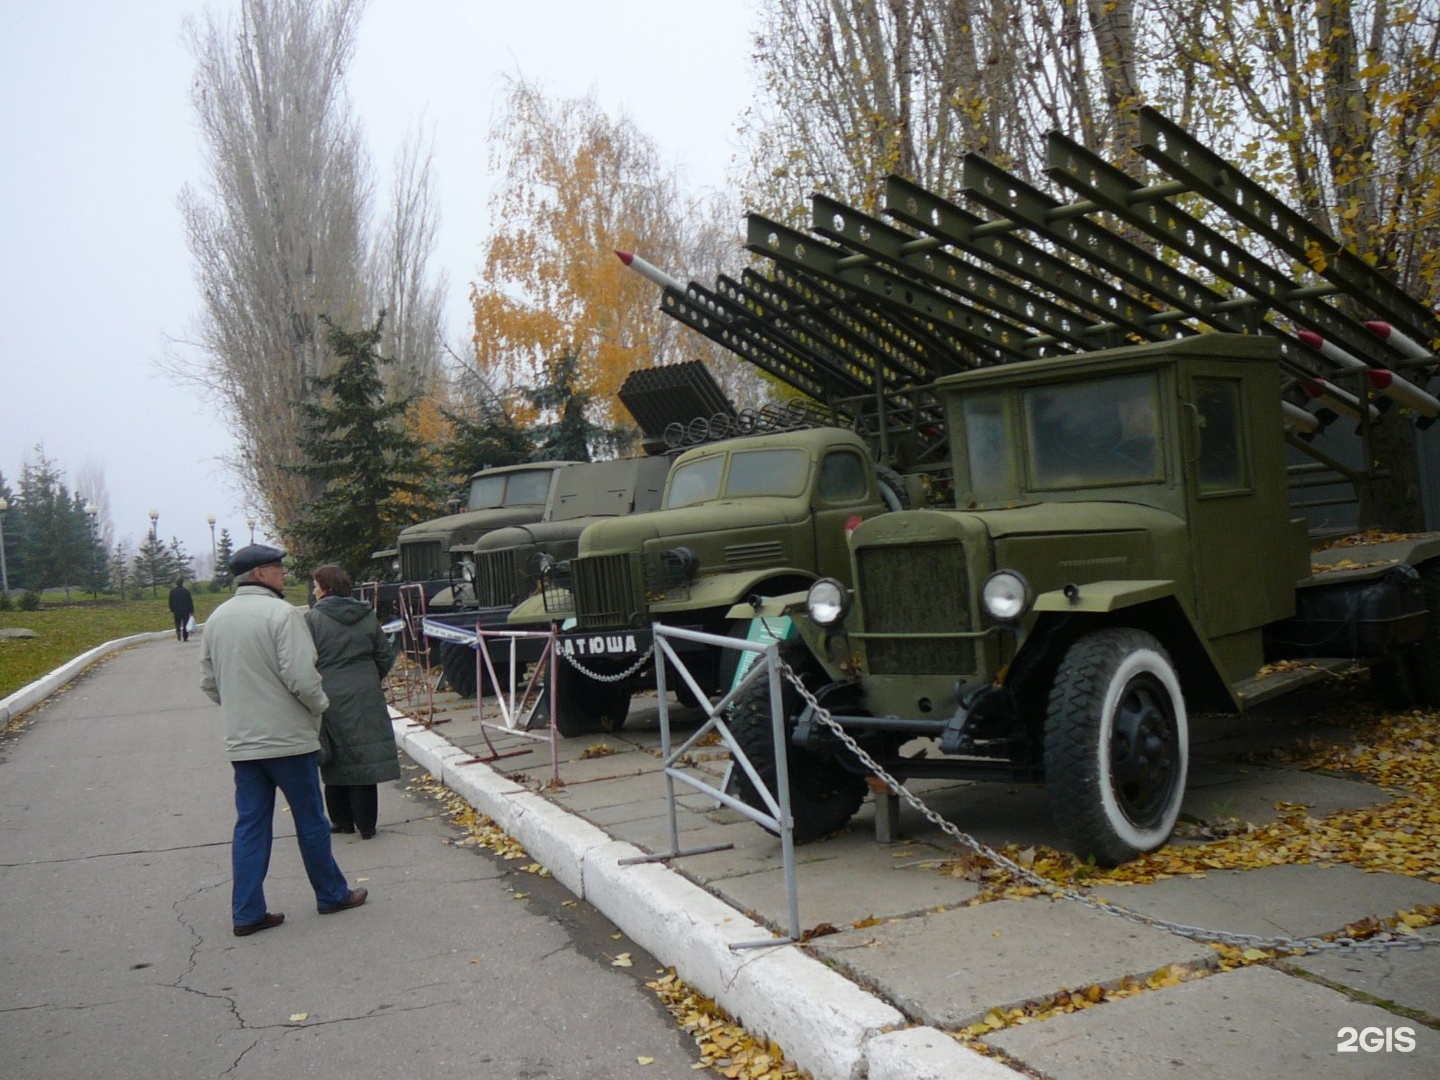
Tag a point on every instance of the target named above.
point(633, 669)
point(1379, 943)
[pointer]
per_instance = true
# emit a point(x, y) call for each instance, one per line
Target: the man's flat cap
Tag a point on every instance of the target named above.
point(253, 556)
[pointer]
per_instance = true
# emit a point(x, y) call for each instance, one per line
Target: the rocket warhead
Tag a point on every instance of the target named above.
point(650, 270)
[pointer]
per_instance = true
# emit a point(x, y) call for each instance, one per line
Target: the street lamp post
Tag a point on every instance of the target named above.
point(4, 574)
point(214, 558)
point(90, 511)
point(154, 543)
point(251, 522)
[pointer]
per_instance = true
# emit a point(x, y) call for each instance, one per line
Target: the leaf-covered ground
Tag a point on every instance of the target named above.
point(1399, 834)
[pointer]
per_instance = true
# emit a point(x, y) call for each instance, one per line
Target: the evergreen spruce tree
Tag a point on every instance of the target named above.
point(178, 563)
point(151, 566)
point(356, 444)
point(492, 439)
point(571, 436)
point(118, 566)
point(224, 548)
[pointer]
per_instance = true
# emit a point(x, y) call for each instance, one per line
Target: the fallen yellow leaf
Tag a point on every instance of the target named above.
point(623, 960)
point(295, 1018)
point(645, 1060)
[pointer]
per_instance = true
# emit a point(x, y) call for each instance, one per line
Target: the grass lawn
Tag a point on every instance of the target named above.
point(69, 628)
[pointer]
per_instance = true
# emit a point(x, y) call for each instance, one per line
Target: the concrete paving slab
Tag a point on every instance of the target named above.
point(1404, 977)
point(1293, 901)
point(949, 968)
point(1253, 1022)
point(1250, 792)
point(853, 884)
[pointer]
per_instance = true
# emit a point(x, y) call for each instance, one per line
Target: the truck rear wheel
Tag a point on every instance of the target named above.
point(824, 795)
point(1116, 745)
point(584, 706)
point(1426, 658)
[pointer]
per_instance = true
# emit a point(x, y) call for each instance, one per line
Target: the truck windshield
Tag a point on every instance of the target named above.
point(1096, 433)
point(527, 488)
point(752, 472)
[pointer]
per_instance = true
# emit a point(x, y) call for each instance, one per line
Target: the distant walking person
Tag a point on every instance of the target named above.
point(353, 656)
point(257, 662)
point(182, 606)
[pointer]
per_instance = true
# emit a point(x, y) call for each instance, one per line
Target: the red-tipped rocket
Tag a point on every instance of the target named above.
point(650, 270)
point(1341, 400)
point(1382, 380)
point(1329, 351)
point(1403, 343)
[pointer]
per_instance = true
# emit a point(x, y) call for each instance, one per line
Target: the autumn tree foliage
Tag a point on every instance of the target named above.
point(284, 231)
point(576, 185)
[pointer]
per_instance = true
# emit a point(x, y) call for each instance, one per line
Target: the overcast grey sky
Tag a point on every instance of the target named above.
point(99, 140)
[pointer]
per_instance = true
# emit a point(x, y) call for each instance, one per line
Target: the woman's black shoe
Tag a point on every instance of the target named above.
point(342, 828)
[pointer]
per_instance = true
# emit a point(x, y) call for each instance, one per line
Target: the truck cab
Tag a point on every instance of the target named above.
point(754, 516)
point(434, 552)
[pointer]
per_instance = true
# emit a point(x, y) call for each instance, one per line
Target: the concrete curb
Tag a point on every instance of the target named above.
point(828, 1025)
point(27, 697)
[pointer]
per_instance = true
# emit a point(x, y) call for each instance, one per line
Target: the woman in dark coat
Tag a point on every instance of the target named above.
point(353, 655)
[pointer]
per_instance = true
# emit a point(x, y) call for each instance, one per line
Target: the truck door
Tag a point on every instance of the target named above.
point(842, 491)
point(1238, 519)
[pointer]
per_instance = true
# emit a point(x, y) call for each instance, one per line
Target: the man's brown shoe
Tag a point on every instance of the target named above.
point(355, 899)
point(273, 918)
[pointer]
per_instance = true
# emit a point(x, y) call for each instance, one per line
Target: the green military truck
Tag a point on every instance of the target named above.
point(503, 567)
point(435, 553)
point(1122, 552)
point(752, 516)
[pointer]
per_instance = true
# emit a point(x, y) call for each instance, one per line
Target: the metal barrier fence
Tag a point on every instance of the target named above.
point(766, 665)
point(517, 706)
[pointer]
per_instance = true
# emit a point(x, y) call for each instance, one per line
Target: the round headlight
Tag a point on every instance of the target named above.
point(1006, 596)
point(828, 602)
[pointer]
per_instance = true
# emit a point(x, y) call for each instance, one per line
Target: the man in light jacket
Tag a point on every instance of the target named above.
point(257, 661)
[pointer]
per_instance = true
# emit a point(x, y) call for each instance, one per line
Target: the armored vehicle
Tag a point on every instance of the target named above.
point(1123, 552)
point(758, 515)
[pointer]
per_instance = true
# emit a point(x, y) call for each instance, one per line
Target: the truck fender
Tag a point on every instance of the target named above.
point(736, 588)
point(1101, 597)
point(767, 606)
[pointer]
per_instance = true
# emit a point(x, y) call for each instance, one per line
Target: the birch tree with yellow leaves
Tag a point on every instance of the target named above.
point(576, 186)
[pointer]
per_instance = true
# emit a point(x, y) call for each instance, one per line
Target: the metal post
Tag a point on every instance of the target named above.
point(154, 541)
point(4, 573)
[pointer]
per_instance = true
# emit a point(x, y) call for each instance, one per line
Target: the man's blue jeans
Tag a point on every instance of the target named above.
point(255, 783)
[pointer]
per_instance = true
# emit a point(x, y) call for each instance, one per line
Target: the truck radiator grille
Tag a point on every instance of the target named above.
point(604, 590)
point(421, 561)
point(497, 579)
point(919, 591)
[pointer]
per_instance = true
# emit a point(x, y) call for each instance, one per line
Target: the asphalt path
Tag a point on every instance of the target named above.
point(117, 958)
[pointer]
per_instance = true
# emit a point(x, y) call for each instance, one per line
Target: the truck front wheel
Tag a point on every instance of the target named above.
point(824, 795)
point(1116, 745)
